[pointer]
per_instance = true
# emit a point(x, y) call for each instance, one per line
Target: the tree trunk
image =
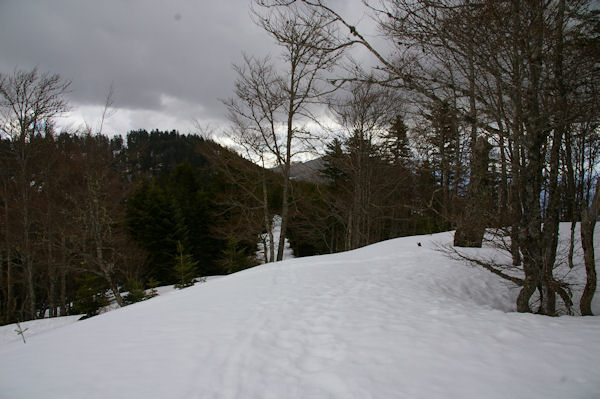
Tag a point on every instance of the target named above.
point(9, 289)
point(472, 225)
point(514, 205)
point(530, 233)
point(31, 297)
point(10, 308)
point(63, 277)
point(552, 214)
point(285, 206)
point(3, 306)
point(113, 287)
point(503, 194)
point(550, 229)
point(469, 233)
point(268, 221)
point(588, 223)
point(64, 310)
point(51, 282)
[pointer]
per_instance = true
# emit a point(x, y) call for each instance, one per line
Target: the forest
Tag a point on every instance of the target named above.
point(480, 115)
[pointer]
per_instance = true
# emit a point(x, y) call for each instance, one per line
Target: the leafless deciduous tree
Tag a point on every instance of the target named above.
point(29, 102)
point(366, 115)
point(272, 106)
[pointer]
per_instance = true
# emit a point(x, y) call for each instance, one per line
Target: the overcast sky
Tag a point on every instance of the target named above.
point(169, 62)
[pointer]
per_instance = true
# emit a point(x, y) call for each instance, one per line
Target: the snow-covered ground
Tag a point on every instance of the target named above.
point(9, 333)
point(392, 320)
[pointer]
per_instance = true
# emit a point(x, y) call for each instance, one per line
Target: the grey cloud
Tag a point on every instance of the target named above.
point(146, 49)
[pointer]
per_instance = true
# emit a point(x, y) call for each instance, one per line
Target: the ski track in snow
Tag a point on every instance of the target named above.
point(392, 320)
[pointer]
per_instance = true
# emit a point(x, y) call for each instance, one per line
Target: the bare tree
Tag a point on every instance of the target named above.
point(29, 103)
point(365, 116)
point(102, 244)
point(271, 106)
point(254, 114)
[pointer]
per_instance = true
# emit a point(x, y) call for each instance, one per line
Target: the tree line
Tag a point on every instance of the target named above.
point(85, 216)
point(482, 116)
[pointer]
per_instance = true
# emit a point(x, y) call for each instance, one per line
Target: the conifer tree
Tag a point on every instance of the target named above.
point(185, 268)
point(396, 142)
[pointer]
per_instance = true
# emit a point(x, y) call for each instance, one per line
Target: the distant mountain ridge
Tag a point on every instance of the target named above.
point(306, 171)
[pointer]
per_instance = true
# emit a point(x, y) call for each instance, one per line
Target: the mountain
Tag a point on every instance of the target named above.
point(307, 171)
point(392, 320)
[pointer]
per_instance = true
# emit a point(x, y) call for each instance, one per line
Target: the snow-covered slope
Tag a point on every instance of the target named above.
point(393, 320)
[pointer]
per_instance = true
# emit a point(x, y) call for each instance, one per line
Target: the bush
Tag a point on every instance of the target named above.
point(91, 296)
point(136, 292)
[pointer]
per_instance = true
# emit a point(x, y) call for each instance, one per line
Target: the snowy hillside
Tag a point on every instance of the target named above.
point(393, 320)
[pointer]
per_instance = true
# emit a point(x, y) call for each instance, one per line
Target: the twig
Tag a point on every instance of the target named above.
point(21, 331)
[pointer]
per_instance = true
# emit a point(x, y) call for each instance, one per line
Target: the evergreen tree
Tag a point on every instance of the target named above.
point(91, 296)
point(185, 268)
point(334, 159)
point(135, 292)
point(151, 223)
point(397, 144)
point(235, 256)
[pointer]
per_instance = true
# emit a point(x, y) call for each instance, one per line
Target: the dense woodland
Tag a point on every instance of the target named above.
point(99, 214)
point(484, 115)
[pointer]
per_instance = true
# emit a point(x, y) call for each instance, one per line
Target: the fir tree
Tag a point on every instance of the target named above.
point(91, 296)
point(152, 291)
point(185, 268)
point(235, 257)
point(136, 292)
point(397, 143)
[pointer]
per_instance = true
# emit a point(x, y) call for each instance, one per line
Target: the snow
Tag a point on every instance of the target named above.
point(392, 320)
point(288, 252)
point(8, 334)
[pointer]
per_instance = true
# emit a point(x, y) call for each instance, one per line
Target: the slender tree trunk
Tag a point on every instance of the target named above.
point(51, 281)
point(63, 277)
point(64, 309)
point(349, 229)
point(503, 194)
point(571, 195)
point(25, 247)
point(269, 250)
point(285, 206)
point(514, 205)
point(113, 287)
point(550, 229)
point(3, 307)
point(31, 297)
point(516, 143)
point(552, 217)
point(27, 260)
point(571, 191)
point(530, 234)
point(588, 223)
point(9, 284)
point(10, 303)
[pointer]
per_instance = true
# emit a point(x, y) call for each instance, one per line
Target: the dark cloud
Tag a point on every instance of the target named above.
point(158, 55)
point(146, 49)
